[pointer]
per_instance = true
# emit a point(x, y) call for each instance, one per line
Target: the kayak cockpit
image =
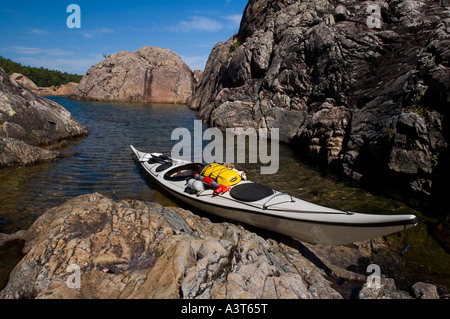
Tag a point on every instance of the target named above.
point(184, 172)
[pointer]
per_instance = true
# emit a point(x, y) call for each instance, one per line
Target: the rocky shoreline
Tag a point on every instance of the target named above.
point(30, 125)
point(60, 90)
point(133, 249)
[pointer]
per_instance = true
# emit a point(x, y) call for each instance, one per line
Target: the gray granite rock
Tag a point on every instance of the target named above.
point(370, 102)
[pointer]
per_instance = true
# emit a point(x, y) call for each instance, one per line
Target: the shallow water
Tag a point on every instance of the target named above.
point(99, 163)
point(103, 163)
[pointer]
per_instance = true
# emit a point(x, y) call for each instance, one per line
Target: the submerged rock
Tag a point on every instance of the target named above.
point(150, 75)
point(425, 291)
point(15, 152)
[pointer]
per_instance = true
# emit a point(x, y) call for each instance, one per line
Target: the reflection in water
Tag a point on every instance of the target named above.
point(103, 163)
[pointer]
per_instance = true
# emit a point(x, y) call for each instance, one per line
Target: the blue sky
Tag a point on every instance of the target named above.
point(35, 32)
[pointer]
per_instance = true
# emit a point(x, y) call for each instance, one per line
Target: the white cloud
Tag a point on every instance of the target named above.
point(54, 59)
point(208, 45)
point(195, 62)
point(198, 23)
point(37, 51)
point(69, 65)
point(207, 24)
point(90, 34)
point(38, 31)
point(234, 20)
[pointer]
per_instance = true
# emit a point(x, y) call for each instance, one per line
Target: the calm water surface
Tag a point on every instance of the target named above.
point(103, 163)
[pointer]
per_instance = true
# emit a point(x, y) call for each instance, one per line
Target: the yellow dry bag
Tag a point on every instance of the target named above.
point(222, 174)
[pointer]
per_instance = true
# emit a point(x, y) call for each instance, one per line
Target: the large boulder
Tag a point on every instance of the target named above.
point(26, 82)
point(151, 75)
point(28, 122)
point(14, 152)
point(373, 103)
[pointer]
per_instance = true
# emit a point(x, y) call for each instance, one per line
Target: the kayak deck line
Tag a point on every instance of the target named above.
point(264, 207)
point(276, 210)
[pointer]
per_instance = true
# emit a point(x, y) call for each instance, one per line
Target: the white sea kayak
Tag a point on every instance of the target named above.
point(263, 207)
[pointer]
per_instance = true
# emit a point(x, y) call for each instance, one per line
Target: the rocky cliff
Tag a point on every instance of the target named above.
point(94, 247)
point(371, 102)
point(28, 122)
point(151, 75)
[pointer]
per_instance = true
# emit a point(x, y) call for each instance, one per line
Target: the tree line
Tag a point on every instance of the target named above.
point(42, 77)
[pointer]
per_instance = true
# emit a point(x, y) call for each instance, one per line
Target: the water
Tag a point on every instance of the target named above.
point(99, 163)
point(103, 163)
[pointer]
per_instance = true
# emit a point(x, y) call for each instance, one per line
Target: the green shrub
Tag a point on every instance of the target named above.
point(236, 44)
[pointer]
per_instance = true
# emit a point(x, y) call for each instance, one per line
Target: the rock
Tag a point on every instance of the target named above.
point(425, 291)
point(386, 287)
point(14, 152)
point(60, 90)
point(371, 103)
point(387, 290)
point(198, 74)
point(132, 249)
point(341, 13)
point(348, 262)
point(26, 82)
point(151, 75)
point(28, 121)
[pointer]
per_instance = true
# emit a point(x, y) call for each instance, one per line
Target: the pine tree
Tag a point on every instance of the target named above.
point(41, 76)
